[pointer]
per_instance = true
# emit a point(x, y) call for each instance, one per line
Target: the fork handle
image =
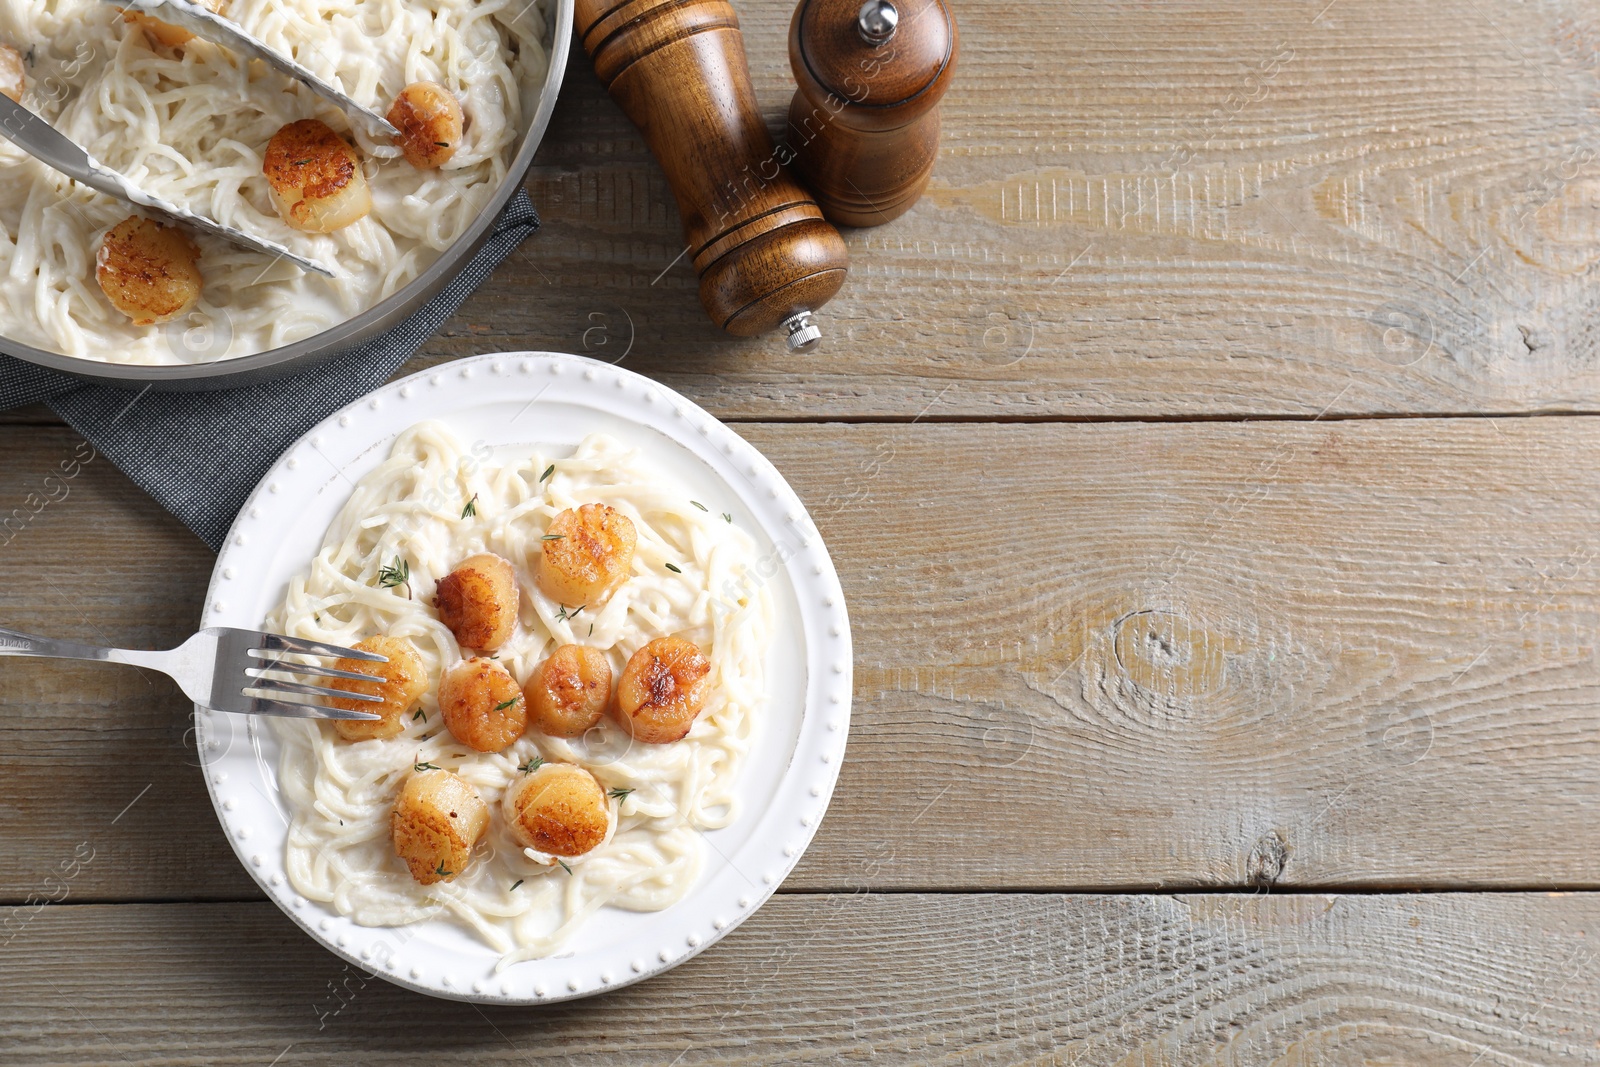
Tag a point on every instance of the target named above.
point(16, 643)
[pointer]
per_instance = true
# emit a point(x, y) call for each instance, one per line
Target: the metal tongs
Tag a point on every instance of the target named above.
point(47, 144)
point(218, 30)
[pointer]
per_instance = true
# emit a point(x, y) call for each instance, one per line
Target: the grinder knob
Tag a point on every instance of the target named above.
point(864, 123)
point(765, 255)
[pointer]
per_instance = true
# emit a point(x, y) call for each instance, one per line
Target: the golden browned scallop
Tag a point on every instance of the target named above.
point(559, 809)
point(315, 177)
point(437, 819)
point(164, 34)
point(482, 704)
point(586, 555)
point(662, 690)
point(13, 73)
point(568, 692)
point(149, 272)
point(404, 680)
point(478, 601)
point(429, 119)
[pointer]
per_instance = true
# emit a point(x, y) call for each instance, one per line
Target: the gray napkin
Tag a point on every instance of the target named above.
point(200, 454)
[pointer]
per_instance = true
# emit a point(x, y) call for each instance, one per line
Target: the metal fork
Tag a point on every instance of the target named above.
point(225, 669)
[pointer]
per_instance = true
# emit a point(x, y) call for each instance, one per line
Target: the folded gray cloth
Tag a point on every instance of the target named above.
point(200, 454)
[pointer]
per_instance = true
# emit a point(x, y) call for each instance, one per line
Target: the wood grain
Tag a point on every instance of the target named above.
point(1454, 981)
point(1102, 656)
point(1141, 209)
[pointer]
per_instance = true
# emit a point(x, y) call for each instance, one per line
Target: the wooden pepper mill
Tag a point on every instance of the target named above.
point(864, 124)
point(765, 255)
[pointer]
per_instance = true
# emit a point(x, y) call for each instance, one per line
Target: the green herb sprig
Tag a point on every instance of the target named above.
point(472, 507)
point(532, 765)
point(396, 573)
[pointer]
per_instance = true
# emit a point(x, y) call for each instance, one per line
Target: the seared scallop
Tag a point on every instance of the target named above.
point(559, 810)
point(478, 602)
point(315, 177)
point(148, 271)
point(437, 819)
point(569, 692)
point(403, 681)
point(662, 690)
point(586, 555)
point(165, 34)
point(482, 704)
point(13, 73)
point(429, 119)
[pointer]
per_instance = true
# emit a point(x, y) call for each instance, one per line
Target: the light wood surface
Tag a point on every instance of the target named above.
point(1299, 981)
point(1144, 598)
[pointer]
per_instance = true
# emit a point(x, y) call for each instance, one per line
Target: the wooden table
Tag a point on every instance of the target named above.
point(1208, 462)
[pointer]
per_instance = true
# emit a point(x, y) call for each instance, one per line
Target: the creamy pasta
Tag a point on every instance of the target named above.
point(413, 509)
point(191, 125)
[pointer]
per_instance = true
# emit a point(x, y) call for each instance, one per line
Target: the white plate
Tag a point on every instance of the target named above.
point(552, 399)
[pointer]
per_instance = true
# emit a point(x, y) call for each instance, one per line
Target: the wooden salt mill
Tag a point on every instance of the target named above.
point(864, 124)
point(765, 255)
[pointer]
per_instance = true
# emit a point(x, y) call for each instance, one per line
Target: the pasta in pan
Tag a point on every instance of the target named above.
point(192, 123)
point(409, 523)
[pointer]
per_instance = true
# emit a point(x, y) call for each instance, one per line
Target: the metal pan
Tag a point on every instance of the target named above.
point(383, 316)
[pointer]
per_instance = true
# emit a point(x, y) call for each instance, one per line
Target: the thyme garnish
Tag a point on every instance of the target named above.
point(564, 866)
point(673, 568)
point(699, 505)
point(441, 872)
point(548, 471)
point(471, 508)
point(504, 704)
point(396, 573)
point(619, 794)
point(532, 765)
point(515, 884)
point(424, 766)
point(553, 537)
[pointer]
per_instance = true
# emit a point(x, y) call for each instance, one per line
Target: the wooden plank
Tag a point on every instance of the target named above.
point(939, 979)
point(1090, 656)
point(87, 555)
point(1139, 209)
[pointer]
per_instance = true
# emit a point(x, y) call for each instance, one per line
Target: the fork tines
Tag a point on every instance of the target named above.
point(280, 643)
point(278, 692)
